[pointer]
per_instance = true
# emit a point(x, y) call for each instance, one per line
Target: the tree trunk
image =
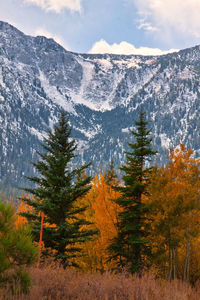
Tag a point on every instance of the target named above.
point(187, 260)
point(174, 262)
point(170, 265)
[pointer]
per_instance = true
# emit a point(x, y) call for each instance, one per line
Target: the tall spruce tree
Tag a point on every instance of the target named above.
point(57, 189)
point(131, 246)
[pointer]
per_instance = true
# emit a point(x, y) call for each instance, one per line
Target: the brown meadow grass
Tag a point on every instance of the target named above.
point(59, 284)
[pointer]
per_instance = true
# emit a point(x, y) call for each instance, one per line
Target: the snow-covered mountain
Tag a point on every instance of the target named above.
point(103, 95)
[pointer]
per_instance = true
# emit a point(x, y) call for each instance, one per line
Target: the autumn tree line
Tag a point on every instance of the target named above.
point(150, 219)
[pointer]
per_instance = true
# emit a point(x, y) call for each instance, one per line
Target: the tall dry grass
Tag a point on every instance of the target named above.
point(59, 284)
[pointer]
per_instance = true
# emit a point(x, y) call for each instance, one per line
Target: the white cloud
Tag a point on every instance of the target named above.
point(102, 47)
point(57, 5)
point(147, 26)
point(47, 34)
point(180, 16)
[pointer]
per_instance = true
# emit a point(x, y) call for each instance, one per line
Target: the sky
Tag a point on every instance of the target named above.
point(147, 27)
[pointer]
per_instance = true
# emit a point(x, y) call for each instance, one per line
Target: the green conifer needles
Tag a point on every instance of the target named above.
point(56, 193)
point(16, 251)
point(131, 246)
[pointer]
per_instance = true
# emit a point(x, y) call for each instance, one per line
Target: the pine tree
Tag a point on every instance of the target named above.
point(17, 251)
point(57, 189)
point(111, 176)
point(131, 247)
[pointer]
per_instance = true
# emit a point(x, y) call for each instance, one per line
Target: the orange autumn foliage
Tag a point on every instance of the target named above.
point(102, 212)
point(175, 213)
point(20, 220)
point(22, 207)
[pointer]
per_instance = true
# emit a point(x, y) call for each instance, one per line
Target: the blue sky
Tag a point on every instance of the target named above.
point(112, 26)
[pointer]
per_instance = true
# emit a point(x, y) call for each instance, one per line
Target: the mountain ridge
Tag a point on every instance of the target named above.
point(103, 94)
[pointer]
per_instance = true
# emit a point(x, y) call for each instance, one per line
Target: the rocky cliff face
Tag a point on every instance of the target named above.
point(103, 95)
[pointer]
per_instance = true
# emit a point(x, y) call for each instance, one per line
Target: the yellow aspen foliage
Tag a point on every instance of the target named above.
point(20, 221)
point(175, 213)
point(21, 208)
point(102, 212)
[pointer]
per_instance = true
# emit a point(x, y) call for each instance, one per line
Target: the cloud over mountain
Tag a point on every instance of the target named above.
point(57, 5)
point(102, 47)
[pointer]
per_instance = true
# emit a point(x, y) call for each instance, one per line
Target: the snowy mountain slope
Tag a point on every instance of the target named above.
point(103, 95)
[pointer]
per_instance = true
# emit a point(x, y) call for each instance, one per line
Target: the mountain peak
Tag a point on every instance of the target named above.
point(8, 28)
point(103, 95)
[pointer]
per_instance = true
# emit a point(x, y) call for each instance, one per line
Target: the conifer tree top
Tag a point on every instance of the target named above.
point(57, 189)
point(130, 247)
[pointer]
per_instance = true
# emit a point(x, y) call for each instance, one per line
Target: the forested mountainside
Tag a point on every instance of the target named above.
point(103, 95)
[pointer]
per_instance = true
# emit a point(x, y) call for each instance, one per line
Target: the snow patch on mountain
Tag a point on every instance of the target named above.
point(104, 64)
point(53, 94)
point(90, 134)
point(80, 97)
point(165, 141)
point(36, 132)
point(89, 83)
point(1, 79)
point(127, 129)
point(127, 63)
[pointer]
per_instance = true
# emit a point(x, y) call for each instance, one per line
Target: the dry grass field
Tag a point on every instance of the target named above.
point(59, 284)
